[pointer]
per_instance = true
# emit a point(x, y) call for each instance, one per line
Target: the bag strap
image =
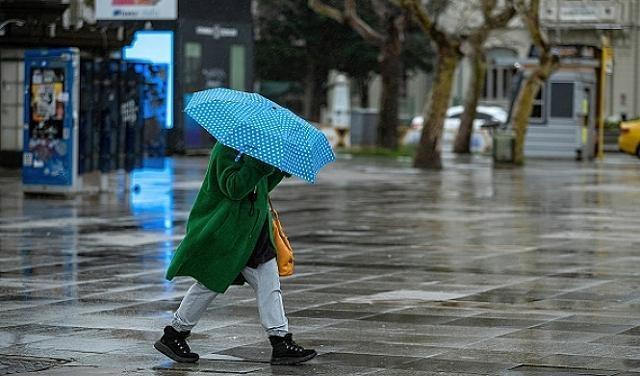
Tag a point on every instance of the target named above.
point(274, 213)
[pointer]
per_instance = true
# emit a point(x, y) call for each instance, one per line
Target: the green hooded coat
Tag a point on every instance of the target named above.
point(224, 225)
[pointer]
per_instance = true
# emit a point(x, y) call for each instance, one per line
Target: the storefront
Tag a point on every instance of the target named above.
point(42, 25)
point(211, 44)
point(196, 44)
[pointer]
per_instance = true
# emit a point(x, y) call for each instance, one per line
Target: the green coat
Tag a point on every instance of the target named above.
point(223, 229)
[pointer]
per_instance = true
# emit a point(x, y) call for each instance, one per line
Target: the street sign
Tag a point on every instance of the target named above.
point(607, 59)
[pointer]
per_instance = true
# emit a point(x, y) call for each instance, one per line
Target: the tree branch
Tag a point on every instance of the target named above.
point(531, 17)
point(326, 10)
point(487, 8)
point(380, 7)
point(420, 13)
point(359, 25)
point(348, 17)
point(501, 19)
point(491, 22)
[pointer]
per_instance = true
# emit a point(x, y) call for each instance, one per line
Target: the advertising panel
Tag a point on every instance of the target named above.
point(136, 9)
point(50, 123)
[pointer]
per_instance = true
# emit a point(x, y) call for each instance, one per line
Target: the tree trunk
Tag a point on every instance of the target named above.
point(428, 153)
point(319, 97)
point(391, 72)
point(309, 90)
point(524, 104)
point(462, 143)
point(363, 91)
point(521, 114)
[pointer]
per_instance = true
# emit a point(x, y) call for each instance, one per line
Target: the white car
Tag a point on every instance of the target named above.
point(481, 140)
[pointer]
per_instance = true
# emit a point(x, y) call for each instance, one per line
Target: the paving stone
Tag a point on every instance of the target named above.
point(400, 272)
point(554, 335)
point(542, 370)
point(621, 340)
point(593, 362)
point(21, 364)
point(446, 365)
point(399, 372)
point(494, 322)
point(366, 360)
point(488, 356)
point(569, 326)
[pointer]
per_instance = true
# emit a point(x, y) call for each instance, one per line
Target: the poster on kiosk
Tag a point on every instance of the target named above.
point(50, 154)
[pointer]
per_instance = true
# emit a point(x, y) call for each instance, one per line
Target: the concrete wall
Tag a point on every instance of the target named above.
point(625, 82)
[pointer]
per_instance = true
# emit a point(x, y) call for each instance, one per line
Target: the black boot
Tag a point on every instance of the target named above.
point(287, 352)
point(174, 345)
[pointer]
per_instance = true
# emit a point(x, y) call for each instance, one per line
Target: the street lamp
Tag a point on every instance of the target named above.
point(16, 21)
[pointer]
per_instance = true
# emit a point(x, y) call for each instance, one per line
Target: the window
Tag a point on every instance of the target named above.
point(192, 65)
point(237, 67)
point(507, 81)
point(537, 112)
point(497, 84)
point(11, 107)
point(483, 116)
point(500, 71)
point(156, 46)
point(562, 100)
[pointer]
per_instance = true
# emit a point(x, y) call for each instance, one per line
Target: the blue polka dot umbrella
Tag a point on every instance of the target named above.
point(254, 125)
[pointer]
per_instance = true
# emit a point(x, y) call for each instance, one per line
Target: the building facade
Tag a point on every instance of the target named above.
point(43, 24)
point(584, 22)
point(579, 22)
point(569, 22)
point(211, 44)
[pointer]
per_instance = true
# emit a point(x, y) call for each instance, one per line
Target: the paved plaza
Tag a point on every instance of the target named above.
point(468, 271)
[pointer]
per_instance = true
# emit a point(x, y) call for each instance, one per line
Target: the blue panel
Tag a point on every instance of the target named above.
point(48, 152)
point(155, 46)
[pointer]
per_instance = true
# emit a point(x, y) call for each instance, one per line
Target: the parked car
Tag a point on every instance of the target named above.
point(629, 139)
point(481, 140)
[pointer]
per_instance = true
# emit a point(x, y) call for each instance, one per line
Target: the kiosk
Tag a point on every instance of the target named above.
point(50, 151)
point(564, 116)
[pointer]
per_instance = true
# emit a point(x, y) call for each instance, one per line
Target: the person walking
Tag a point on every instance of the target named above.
point(229, 241)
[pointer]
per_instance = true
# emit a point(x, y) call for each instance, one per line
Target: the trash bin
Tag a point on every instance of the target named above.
point(504, 142)
point(364, 127)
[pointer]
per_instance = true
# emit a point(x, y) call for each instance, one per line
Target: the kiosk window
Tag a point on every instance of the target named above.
point(562, 100)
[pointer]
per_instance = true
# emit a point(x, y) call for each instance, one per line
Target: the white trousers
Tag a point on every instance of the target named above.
point(264, 280)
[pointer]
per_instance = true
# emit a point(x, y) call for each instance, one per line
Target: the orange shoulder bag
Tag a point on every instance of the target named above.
point(284, 252)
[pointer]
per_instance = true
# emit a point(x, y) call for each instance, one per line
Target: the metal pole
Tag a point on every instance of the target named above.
point(604, 61)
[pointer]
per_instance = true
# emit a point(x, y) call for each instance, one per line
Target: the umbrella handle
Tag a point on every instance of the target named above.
point(240, 152)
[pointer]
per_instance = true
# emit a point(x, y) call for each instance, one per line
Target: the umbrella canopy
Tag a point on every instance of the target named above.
point(254, 125)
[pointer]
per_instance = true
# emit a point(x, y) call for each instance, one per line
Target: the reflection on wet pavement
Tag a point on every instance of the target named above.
point(470, 270)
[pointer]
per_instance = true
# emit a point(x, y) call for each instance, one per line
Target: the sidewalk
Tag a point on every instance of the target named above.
point(467, 271)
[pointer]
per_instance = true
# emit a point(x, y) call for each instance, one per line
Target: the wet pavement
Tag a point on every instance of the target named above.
point(467, 271)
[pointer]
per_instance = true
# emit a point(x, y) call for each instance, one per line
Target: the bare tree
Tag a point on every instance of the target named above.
point(448, 55)
point(390, 42)
point(476, 40)
point(548, 62)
